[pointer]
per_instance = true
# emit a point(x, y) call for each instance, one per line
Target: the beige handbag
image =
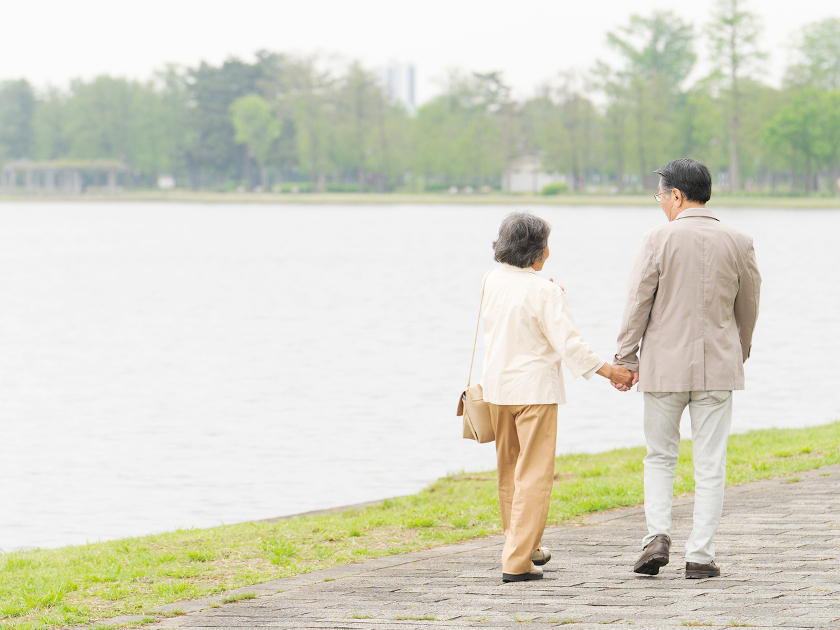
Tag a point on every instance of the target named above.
point(471, 405)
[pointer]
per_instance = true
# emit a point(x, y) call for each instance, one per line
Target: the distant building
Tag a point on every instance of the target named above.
point(59, 176)
point(525, 174)
point(399, 80)
point(166, 182)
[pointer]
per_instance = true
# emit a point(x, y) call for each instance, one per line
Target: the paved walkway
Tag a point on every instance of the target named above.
point(778, 548)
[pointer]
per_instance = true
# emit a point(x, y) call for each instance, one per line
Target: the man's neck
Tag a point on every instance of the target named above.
point(688, 207)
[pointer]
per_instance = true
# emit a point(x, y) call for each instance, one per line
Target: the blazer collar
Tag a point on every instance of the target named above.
point(513, 268)
point(696, 212)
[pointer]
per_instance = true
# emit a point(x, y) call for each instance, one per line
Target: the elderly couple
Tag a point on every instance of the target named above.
point(692, 304)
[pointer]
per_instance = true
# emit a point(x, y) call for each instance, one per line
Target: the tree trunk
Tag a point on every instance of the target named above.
point(734, 167)
point(735, 104)
point(314, 171)
point(807, 175)
point(619, 151)
point(640, 135)
point(246, 169)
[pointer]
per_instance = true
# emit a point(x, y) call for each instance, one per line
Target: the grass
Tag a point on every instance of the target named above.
point(238, 597)
point(72, 585)
point(495, 198)
point(423, 618)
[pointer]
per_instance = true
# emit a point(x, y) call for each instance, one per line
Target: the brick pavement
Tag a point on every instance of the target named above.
point(778, 548)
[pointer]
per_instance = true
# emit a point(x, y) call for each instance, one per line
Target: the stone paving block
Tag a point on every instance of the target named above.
point(778, 547)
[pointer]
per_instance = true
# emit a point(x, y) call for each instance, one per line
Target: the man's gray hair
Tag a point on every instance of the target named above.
point(523, 239)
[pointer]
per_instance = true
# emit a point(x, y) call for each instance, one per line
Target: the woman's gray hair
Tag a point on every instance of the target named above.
point(523, 239)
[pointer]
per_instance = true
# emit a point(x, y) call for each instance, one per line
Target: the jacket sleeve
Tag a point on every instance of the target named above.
point(746, 302)
point(558, 325)
point(641, 290)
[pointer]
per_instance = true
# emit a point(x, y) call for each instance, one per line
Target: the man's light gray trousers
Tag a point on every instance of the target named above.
point(711, 417)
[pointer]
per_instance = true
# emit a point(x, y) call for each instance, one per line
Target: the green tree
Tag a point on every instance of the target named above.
point(118, 119)
point(17, 109)
point(818, 48)
point(809, 125)
point(564, 125)
point(256, 127)
point(734, 33)
point(462, 135)
point(215, 156)
point(360, 108)
point(658, 56)
point(308, 100)
point(49, 126)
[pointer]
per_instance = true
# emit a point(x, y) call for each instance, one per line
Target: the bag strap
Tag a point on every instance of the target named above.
point(477, 325)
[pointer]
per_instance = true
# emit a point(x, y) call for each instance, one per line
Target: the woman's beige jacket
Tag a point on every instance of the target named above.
point(528, 332)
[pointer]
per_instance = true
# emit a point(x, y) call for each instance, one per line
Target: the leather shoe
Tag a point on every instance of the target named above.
point(694, 570)
point(534, 574)
point(541, 556)
point(655, 555)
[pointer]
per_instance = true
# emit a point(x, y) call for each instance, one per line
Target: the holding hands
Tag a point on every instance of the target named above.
point(624, 385)
point(620, 378)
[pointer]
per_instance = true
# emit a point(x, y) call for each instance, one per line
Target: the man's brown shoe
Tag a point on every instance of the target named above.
point(695, 571)
point(654, 556)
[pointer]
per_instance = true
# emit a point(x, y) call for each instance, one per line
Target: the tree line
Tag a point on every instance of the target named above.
point(282, 120)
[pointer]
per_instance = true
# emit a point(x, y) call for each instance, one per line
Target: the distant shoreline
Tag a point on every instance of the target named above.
point(188, 196)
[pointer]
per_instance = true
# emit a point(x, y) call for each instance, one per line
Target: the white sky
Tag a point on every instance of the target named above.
point(53, 41)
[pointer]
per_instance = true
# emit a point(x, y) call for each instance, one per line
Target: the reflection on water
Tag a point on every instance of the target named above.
point(168, 366)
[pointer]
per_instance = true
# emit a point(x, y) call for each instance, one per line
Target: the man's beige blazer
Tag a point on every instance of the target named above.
point(692, 303)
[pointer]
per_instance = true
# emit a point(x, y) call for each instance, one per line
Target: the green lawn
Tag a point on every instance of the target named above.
point(72, 585)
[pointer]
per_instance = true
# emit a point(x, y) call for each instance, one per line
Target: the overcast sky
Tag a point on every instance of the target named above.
point(53, 41)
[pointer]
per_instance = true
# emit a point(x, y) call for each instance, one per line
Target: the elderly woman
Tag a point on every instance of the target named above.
point(528, 332)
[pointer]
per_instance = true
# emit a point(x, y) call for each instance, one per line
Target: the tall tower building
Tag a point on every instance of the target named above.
point(399, 82)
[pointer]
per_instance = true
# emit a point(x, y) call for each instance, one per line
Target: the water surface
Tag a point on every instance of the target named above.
point(167, 365)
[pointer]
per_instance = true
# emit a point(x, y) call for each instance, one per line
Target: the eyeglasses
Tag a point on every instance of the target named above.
point(658, 196)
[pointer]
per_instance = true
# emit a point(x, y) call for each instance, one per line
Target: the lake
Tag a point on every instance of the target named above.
point(169, 366)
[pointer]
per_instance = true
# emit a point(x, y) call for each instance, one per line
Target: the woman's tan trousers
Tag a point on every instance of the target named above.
point(526, 437)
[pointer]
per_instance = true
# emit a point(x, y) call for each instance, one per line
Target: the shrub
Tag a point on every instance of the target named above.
point(555, 189)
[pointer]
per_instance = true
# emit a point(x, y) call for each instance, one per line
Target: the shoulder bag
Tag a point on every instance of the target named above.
point(471, 405)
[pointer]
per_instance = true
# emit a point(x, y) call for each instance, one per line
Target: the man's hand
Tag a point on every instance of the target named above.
point(621, 377)
point(628, 385)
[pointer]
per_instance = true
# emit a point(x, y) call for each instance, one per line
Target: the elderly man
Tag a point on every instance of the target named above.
point(692, 303)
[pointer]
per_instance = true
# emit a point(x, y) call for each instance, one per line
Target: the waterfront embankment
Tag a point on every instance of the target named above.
point(189, 196)
point(78, 584)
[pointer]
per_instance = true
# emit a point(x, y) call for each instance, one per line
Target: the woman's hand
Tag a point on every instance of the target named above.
point(621, 378)
point(558, 284)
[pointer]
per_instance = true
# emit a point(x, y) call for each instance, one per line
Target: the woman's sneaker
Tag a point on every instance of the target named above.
point(541, 556)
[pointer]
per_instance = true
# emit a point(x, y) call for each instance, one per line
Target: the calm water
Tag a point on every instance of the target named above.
point(168, 366)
